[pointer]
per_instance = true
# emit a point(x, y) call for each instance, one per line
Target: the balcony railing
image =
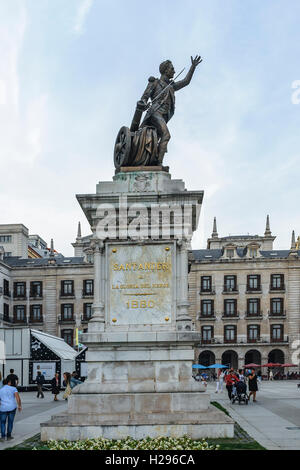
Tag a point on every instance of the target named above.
point(230, 290)
point(35, 295)
point(69, 295)
point(253, 290)
point(7, 293)
point(281, 288)
point(66, 319)
point(226, 315)
point(282, 339)
point(253, 340)
point(276, 314)
point(254, 315)
point(210, 291)
point(85, 318)
point(87, 294)
point(6, 318)
point(20, 296)
point(39, 319)
point(19, 321)
point(203, 316)
point(207, 341)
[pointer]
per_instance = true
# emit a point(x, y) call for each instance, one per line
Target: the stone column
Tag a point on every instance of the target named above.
point(183, 320)
point(97, 321)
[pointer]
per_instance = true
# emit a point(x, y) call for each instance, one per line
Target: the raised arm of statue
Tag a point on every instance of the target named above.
point(186, 81)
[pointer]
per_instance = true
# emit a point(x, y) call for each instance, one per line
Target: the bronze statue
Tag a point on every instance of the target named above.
point(146, 144)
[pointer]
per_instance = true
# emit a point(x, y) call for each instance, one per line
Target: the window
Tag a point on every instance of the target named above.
point(277, 306)
point(36, 312)
point(276, 332)
point(6, 287)
point(229, 283)
point(253, 307)
point(20, 313)
point(6, 311)
point(253, 252)
point(207, 333)
point(206, 283)
point(5, 238)
point(230, 334)
point(67, 336)
point(67, 311)
point(20, 289)
point(253, 333)
point(7, 254)
point(67, 287)
point(87, 311)
point(207, 308)
point(36, 288)
point(230, 252)
point(230, 307)
point(88, 287)
point(253, 282)
point(277, 281)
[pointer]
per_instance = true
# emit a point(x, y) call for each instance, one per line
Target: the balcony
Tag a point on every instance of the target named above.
point(37, 320)
point(207, 341)
point(282, 339)
point(85, 318)
point(279, 290)
point(19, 321)
point(62, 319)
point(87, 294)
point(230, 290)
point(230, 341)
point(36, 296)
point(253, 340)
point(6, 293)
point(67, 295)
point(254, 316)
point(279, 315)
point(229, 316)
point(211, 291)
point(202, 316)
point(20, 296)
point(253, 290)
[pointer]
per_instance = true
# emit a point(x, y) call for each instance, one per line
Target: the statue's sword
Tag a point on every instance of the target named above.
point(166, 87)
point(139, 110)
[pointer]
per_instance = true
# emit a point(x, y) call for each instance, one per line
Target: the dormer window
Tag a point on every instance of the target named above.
point(253, 252)
point(230, 252)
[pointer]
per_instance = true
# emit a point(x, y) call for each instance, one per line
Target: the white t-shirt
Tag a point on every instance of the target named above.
point(7, 398)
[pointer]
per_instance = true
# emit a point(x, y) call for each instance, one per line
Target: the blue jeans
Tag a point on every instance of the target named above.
point(8, 416)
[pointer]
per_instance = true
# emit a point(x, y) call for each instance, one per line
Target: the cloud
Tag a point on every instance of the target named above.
point(81, 15)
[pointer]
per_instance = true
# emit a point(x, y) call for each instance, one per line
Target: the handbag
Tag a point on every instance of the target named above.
point(68, 392)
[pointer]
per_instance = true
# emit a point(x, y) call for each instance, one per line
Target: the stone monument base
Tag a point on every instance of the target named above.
point(138, 415)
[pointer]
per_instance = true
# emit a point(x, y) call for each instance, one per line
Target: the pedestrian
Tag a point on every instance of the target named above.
point(271, 375)
point(9, 402)
point(55, 386)
point(253, 385)
point(67, 384)
point(241, 376)
point(13, 378)
point(1, 381)
point(220, 380)
point(259, 377)
point(40, 380)
point(230, 379)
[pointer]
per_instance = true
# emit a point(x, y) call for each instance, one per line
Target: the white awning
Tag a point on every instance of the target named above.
point(57, 345)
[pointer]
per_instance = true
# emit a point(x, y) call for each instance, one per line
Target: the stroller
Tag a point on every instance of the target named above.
point(239, 393)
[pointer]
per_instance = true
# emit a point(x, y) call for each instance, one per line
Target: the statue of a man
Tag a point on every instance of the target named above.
point(163, 108)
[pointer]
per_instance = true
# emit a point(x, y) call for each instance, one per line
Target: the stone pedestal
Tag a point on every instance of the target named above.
point(141, 338)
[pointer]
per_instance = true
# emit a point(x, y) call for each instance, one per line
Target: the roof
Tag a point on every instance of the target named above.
point(57, 345)
point(213, 255)
point(15, 261)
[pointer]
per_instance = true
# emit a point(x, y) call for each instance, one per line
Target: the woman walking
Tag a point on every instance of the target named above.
point(220, 380)
point(55, 386)
point(252, 385)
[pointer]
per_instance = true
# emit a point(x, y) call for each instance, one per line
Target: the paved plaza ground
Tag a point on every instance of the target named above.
point(274, 421)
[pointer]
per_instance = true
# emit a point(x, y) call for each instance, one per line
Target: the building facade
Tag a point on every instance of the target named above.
point(245, 300)
point(244, 296)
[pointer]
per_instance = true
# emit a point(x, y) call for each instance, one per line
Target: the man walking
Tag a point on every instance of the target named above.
point(13, 378)
point(9, 401)
point(40, 380)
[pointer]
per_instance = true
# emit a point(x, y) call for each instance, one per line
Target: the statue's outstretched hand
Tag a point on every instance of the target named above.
point(196, 61)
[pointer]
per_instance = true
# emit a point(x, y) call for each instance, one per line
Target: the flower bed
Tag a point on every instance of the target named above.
point(160, 443)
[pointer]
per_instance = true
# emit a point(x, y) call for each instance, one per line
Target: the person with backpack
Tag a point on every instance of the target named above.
point(40, 380)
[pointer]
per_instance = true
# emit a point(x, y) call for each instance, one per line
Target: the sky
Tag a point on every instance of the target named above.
point(71, 72)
